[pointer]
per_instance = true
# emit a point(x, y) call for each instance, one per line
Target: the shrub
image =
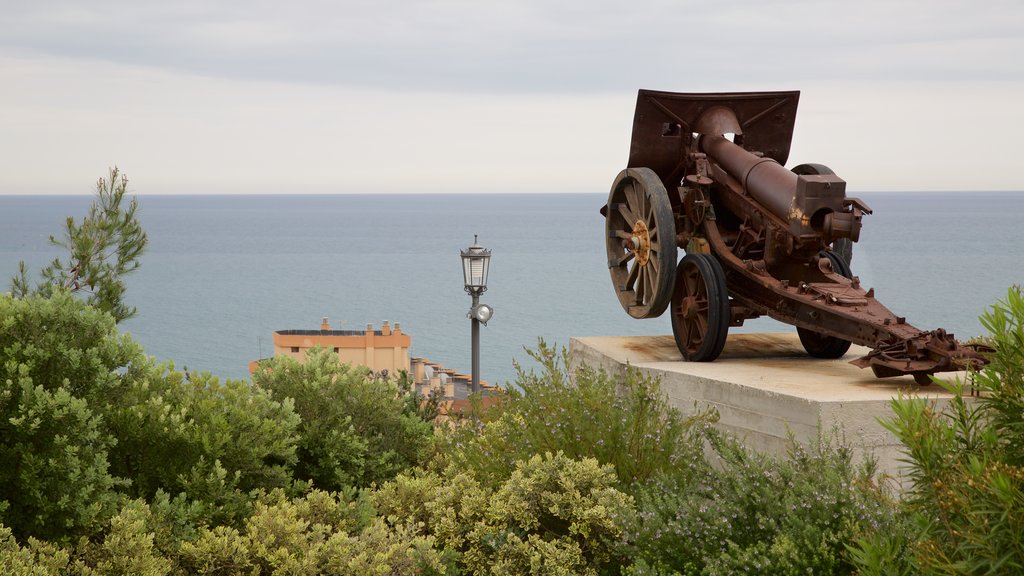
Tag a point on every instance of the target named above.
point(966, 467)
point(60, 362)
point(446, 506)
point(757, 514)
point(127, 547)
point(60, 342)
point(584, 413)
point(354, 430)
point(552, 515)
point(317, 534)
point(35, 559)
point(212, 441)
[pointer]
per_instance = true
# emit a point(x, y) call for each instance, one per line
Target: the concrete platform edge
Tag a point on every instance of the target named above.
point(764, 416)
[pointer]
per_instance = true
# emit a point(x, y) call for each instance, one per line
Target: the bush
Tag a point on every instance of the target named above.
point(36, 559)
point(317, 534)
point(60, 362)
point(966, 467)
point(354, 430)
point(126, 548)
point(756, 514)
point(552, 515)
point(624, 422)
point(213, 441)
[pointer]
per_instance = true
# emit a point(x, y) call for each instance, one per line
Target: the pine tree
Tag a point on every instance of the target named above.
point(104, 247)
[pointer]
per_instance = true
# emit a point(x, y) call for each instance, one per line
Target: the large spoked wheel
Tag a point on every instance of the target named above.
point(641, 241)
point(840, 246)
point(817, 344)
point(700, 308)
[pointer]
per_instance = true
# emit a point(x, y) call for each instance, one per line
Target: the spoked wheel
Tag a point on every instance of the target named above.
point(700, 308)
point(840, 246)
point(815, 343)
point(641, 240)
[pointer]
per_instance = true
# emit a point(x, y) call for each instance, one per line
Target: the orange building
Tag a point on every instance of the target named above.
point(378, 350)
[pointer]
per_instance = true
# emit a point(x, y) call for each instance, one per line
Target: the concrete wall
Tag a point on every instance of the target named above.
point(765, 388)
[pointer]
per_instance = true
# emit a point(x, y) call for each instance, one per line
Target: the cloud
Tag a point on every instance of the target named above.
point(535, 45)
point(490, 96)
point(177, 133)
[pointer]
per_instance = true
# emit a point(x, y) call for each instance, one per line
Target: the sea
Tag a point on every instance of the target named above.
point(222, 273)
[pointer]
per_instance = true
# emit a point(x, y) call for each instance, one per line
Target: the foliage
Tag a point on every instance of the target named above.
point(757, 514)
point(126, 548)
point(126, 466)
point(312, 535)
point(37, 558)
point(552, 515)
point(55, 480)
point(584, 413)
point(966, 465)
point(319, 533)
point(212, 441)
point(355, 431)
point(59, 360)
point(59, 342)
point(101, 250)
point(445, 505)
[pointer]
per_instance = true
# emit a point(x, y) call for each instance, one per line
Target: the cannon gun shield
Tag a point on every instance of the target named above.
point(664, 124)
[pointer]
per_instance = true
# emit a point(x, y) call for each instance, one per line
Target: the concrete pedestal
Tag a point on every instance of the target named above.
point(765, 387)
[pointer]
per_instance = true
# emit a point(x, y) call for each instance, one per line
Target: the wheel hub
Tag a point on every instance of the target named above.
point(688, 308)
point(640, 243)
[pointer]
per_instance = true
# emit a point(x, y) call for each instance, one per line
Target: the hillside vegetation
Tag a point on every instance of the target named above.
point(111, 463)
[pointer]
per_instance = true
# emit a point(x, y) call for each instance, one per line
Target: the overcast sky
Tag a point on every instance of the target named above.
point(307, 96)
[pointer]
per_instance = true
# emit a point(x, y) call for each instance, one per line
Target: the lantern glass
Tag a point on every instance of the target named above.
point(475, 264)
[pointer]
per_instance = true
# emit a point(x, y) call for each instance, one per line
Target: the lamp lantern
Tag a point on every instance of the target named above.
point(476, 262)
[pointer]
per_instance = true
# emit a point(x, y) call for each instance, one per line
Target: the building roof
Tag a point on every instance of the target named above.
point(327, 332)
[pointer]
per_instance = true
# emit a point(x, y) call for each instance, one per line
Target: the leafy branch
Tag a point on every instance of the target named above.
point(104, 247)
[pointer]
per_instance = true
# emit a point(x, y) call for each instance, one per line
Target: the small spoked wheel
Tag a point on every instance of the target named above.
point(700, 308)
point(820, 345)
point(641, 241)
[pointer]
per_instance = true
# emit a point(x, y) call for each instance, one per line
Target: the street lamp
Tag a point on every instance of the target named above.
point(475, 263)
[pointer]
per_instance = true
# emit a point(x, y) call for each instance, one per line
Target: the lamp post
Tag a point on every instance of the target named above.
point(475, 263)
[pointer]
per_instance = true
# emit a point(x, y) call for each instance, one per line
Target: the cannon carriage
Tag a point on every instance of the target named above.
point(706, 174)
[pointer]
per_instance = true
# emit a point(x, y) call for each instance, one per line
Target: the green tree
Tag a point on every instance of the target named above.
point(355, 430)
point(60, 360)
point(104, 247)
point(212, 442)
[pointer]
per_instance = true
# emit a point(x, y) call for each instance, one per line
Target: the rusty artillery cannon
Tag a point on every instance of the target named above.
point(706, 173)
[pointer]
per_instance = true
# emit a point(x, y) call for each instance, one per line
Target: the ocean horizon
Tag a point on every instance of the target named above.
point(223, 272)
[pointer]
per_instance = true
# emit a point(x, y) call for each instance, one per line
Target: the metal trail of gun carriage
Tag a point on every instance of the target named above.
point(706, 173)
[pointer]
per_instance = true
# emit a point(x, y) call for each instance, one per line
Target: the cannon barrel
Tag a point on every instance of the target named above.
point(767, 181)
point(812, 204)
